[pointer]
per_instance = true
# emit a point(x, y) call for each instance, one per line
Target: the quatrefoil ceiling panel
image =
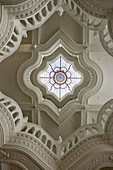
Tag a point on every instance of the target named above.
point(60, 76)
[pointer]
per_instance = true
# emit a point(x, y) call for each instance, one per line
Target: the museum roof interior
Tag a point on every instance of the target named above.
point(56, 85)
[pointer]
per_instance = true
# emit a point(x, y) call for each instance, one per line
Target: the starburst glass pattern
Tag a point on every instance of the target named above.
point(60, 77)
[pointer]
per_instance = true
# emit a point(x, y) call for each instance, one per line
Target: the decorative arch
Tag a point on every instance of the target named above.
point(46, 151)
point(32, 14)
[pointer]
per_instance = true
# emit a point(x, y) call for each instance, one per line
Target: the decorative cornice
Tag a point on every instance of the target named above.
point(100, 160)
point(12, 112)
point(82, 151)
point(84, 16)
point(7, 24)
point(27, 8)
point(32, 14)
point(39, 148)
point(92, 8)
point(21, 159)
point(106, 38)
point(85, 150)
point(105, 114)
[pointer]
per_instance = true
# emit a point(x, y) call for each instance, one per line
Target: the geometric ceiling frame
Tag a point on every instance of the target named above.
point(57, 114)
point(60, 49)
point(58, 41)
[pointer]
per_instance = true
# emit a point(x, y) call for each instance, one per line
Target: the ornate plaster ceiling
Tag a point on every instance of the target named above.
point(42, 123)
point(11, 2)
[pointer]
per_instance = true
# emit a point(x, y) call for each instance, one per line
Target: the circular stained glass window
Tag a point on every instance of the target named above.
point(60, 77)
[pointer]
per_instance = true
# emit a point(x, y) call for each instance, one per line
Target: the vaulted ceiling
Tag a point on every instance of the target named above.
point(43, 108)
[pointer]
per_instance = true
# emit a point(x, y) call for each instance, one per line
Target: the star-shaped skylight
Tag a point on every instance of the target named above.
point(59, 77)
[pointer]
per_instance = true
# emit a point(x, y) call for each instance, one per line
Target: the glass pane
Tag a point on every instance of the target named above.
point(60, 77)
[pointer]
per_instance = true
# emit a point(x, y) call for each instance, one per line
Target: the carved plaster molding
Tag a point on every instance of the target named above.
point(94, 9)
point(98, 76)
point(109, 128)
point(32, 14)
point(82, 152)
point(92, 147)
point(105, 113)
point(21, 159)
point(40, 148)
point(106, 38)
point(3, 154)
point(10, 111)
point(100, 160)
point(83, 16)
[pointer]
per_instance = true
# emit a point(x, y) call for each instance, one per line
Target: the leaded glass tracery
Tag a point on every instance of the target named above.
point(60, 77)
